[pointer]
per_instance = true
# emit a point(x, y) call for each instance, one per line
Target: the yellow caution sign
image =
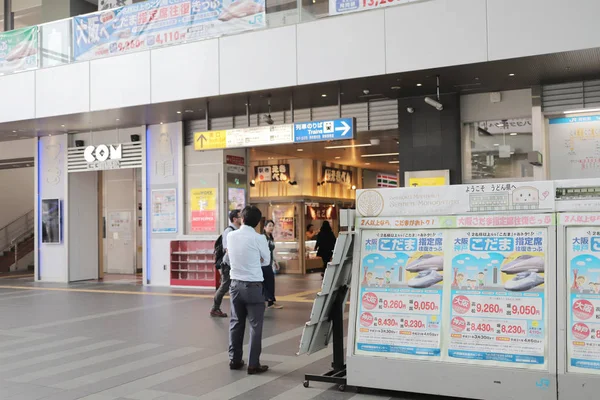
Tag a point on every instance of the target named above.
point(210, 140)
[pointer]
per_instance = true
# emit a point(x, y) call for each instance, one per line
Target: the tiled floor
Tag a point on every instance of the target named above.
point(108, 341)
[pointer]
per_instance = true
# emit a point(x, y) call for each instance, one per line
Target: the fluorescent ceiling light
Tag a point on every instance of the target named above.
point(381, 155)
point(348, 146)
point(514, 134)
point(582, 111)
point(394, 162)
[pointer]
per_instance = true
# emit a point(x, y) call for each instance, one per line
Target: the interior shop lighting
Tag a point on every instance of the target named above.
point(252, 183)
point(348, 146)
point(394, 162)
point(419, 84)
point(381, 155)
point(582, 111)
point(353, 187)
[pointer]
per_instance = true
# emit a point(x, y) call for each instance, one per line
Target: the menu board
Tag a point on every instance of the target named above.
point(401, 292)
point(583, 291)
point(574, 147)
point(498, 297)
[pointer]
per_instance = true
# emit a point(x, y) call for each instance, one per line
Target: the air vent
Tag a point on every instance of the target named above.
point(571, 96)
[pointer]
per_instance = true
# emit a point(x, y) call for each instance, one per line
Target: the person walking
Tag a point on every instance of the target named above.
point(325, 244)
point(268, 272)
point(234, 223)
point(248, 252)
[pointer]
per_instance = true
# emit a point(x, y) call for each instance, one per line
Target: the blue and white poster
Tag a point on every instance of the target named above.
point(318, 131)
point(498, 297)
point(156, 23)
point(401, 292)
point(583, 258)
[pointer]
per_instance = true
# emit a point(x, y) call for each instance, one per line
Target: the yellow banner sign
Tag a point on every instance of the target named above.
point(203, 199)
point(433, 181)
point(210, 140)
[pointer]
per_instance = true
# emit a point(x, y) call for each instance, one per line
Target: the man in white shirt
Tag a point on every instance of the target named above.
point(248, 251)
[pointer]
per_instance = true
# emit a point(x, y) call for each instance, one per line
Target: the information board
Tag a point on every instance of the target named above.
point(583, 291)
point(574, 147)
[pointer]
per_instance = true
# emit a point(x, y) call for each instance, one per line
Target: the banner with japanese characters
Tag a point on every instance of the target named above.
point(19, 50)
point(155, 23)
point(583, 291)
point(401, 292)
point(498, 297)
point(347, 6)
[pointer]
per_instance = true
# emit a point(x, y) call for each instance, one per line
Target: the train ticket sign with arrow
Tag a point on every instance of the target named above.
point(210, 140)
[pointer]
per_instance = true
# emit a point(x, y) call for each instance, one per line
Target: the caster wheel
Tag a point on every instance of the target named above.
point(305, 384)
point(342, 388)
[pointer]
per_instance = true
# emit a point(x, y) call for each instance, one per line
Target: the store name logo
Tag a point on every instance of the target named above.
point(103, 157)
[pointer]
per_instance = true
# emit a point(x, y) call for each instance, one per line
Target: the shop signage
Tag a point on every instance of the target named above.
point(317, 131)
point(347, 6)
point(235, 160)
point(236, 169)
point(334, 175)
point(244, 137)
point(272, 173)
point(19, 50)
point(154, 23)
point(321, 212)
point(387, 180)
point(103, 157)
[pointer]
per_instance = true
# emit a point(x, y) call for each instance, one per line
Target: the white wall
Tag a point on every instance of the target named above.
point(17, 196)
point(83, 226)
point(18, 149)
point(478, 107)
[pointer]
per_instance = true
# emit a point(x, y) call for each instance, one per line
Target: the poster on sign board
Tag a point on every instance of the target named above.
point(203, 204)
point(401, 294)
point(19, 50)
point(164, 211)
point(583, 291)
point(498, 297)
point(347, 6)
point(155, 23)
point(456, 199)
point(285, 223)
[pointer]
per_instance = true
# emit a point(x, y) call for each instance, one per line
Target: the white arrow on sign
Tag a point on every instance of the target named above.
point(345, 128)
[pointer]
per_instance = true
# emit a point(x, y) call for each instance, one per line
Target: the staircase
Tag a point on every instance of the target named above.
point(17, 241)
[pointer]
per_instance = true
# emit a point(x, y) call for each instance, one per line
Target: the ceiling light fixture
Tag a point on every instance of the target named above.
point(381, 155)
point(393, 162)
point(396, 88)
point(299, 149)
point(353, 187)
point(348, 146)
point(496, 144)
point(338, 157)
point(511, 74)
point(514, 134)
point(419, 84)
point(323, 95)
point(62, 126)
point(582, 111)
point(14, 131)
point(178, 112)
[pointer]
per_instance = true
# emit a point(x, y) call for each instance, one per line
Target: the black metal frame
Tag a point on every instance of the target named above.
point(337, 375)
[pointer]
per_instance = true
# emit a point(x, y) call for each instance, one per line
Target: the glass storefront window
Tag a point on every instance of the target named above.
point(497, 150)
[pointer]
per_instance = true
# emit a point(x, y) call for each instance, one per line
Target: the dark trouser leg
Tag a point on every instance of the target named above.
point(269, 284)
point(255, 306)
point(237, 323)
point(223, 289)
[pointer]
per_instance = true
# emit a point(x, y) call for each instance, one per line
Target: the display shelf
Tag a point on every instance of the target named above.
point(192, 263)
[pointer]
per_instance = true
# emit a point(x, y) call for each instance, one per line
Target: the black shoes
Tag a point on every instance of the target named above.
point(257, 370)
point(236, 365)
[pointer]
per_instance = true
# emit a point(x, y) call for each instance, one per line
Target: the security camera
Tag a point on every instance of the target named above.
point(438, 106)
point(267, 118)
point(410, 110)
point(366, 92)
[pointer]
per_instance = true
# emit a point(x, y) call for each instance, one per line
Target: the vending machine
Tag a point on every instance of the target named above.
point(454, 291)
point(578, 263)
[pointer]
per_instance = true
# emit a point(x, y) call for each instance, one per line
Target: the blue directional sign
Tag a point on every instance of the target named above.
point(315, 131)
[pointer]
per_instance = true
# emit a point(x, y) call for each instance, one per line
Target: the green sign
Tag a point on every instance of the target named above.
point(19, 50)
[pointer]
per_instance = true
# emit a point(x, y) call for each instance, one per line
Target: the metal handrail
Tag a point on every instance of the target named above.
point(16, 229)
point(15, 243)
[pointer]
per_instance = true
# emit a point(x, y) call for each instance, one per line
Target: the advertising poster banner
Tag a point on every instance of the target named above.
point(401, 292)
point(347, 6)
point(285, 227)
point(203, 203)
point(164, 211)
point(19, 50)
point(583, 290)
point(498, 297)
point(155, 23)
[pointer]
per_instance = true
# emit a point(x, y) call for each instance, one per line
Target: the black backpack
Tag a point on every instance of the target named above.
point(219, 251)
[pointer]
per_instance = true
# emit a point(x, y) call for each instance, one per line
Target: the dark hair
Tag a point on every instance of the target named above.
point(233, 214)
point(251, 216)
point(326, 227)
point(308, 227)
point(269, 221)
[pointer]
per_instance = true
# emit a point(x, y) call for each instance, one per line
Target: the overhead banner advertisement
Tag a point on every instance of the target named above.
point(346, 6)
point(498, 297)
point(19, 50)
point(155, 23)
point(203, 204)
point(401, 292)
point(583, 290)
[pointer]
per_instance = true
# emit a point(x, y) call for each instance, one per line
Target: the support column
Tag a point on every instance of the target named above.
point(9, 20)
point(539, 134)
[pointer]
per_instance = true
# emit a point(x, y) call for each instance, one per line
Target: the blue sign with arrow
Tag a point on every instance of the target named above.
point(317, 131)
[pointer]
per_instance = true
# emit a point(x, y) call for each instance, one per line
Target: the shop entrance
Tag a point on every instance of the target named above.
point(121, 221)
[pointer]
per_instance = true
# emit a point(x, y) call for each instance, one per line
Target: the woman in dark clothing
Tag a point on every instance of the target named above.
point(268, 274)
point(325, 243)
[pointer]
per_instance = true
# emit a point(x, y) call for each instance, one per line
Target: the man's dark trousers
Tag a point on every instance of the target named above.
point(247, 301)
point(224, 288)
